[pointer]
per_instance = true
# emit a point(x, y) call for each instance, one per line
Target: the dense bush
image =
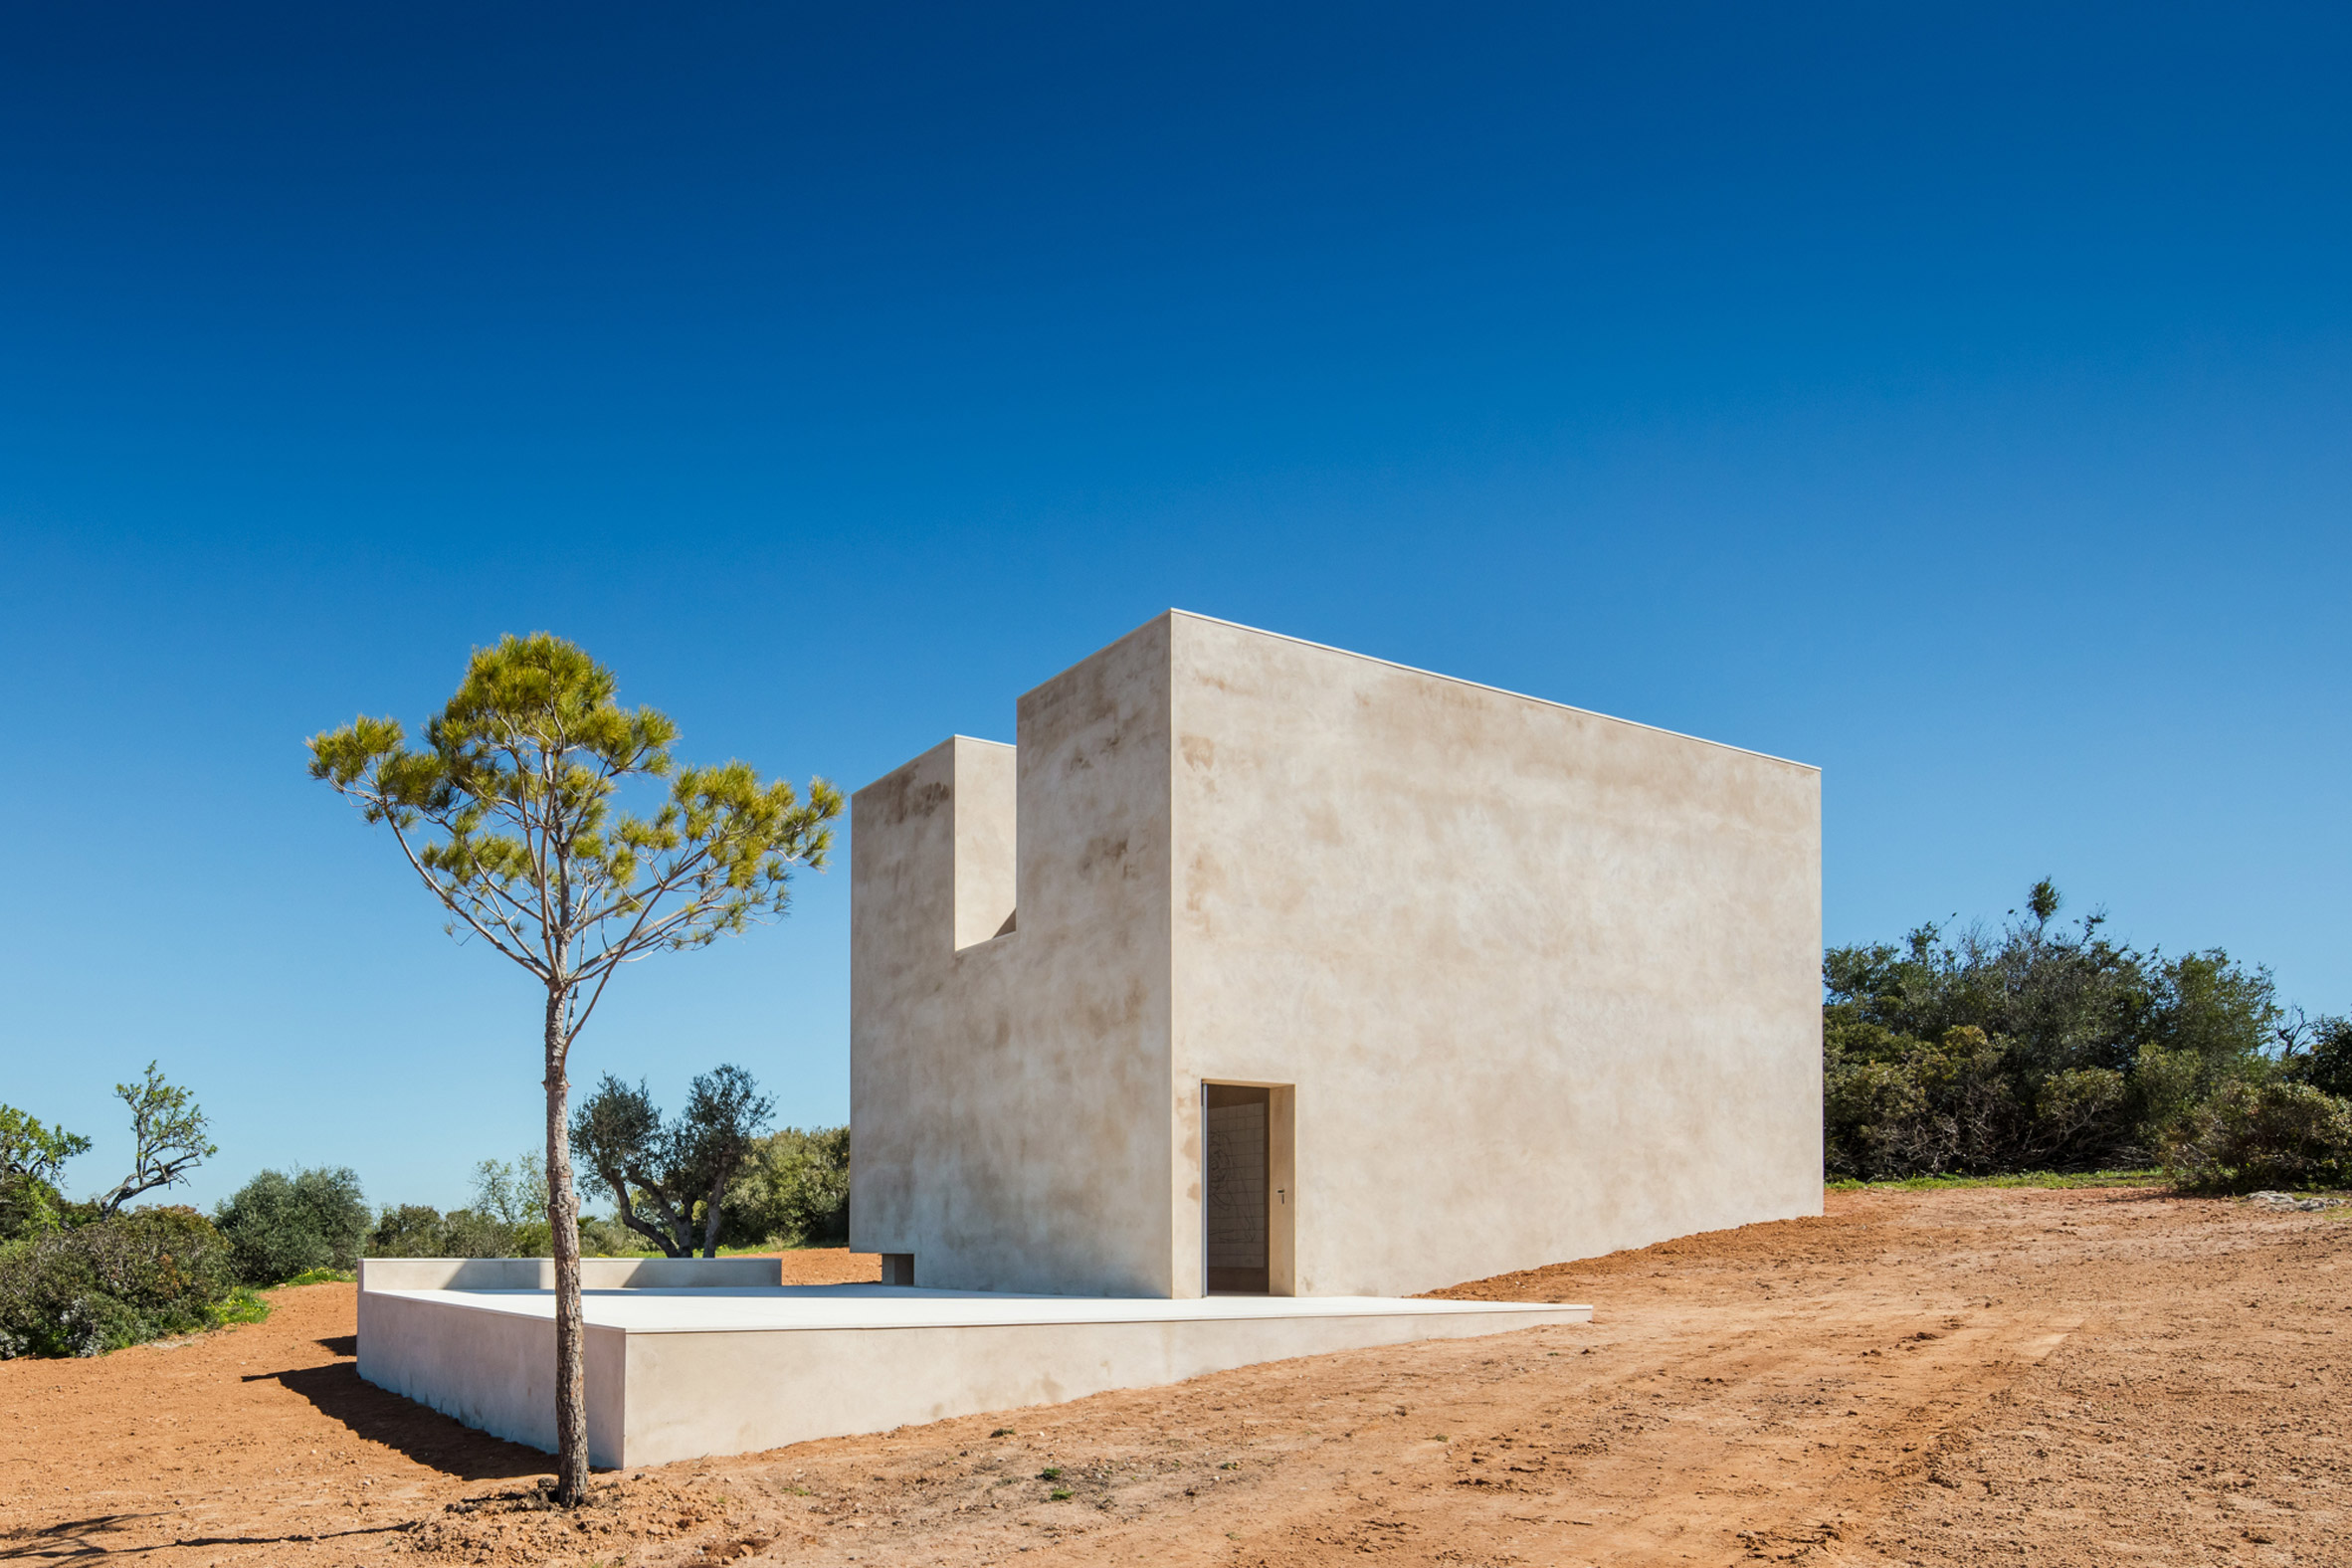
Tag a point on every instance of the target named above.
point(792, 1190)
point(415, 1229)
point(2321, 1056)
point(2257, 1135)
point(282, 1226)
point(29, 1206)
point(118, 1282)
point(602, 1238)
point(2034, 1047)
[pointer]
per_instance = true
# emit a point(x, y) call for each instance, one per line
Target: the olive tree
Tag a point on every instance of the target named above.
point(657, 1173)
point(167, 1135)
point(510, 814)
point(27, 1148)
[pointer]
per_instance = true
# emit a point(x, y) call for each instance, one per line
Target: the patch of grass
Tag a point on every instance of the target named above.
point(1058, 1494)
point(1049, 1472)
point(2053, 1179)
point(243, 1306)
point(319, 1277)
point(1002, 1432)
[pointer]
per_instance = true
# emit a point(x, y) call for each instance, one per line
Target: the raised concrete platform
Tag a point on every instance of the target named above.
point(696, 1358)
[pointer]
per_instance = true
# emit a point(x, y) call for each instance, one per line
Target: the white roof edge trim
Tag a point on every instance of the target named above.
point(1414, 670)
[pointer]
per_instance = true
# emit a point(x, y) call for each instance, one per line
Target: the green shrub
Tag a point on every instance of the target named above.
point(2254, 1135)
point(29, 1206)
point(282, 1226)
point(602, 1238)
point(405, 1229)
point(2034, 1046)
point(1896, 1106)
point(416, 1230)
point(2327, 1063)
point(116, 1281)
point(513, 1194)
point(792, 1189)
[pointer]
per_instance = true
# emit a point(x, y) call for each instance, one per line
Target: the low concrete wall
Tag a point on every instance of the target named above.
point(493, 1371)
point(538, 1273)
point(661, 1394)
point(694, 1395)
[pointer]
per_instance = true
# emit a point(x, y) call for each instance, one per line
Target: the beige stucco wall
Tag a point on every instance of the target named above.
point(493, 1371)
point(1545, 982)
point(1006, 1089)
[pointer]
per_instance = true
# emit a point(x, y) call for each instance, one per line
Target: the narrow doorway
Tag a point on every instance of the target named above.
point(1237, 1190)
point(1247, 1204)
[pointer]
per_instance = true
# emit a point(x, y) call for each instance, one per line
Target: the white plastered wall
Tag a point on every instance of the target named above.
point(1546, 982)
point(1004, 1089)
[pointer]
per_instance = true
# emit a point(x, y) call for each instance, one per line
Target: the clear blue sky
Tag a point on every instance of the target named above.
point(1954, 397)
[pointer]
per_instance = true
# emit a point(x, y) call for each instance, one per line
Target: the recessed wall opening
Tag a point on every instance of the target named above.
point(1248, 1197)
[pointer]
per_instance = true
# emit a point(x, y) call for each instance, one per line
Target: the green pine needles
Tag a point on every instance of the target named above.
point(508, 814)
point(511, 815)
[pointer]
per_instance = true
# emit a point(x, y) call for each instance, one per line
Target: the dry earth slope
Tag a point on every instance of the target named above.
point(2088, 1377)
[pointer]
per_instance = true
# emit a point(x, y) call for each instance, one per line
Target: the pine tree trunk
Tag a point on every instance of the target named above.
point(563, 1218)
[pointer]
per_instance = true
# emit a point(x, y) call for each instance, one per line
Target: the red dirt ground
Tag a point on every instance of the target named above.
point(1966, 1377)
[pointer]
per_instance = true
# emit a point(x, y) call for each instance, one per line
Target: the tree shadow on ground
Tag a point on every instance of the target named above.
point(424, 1436)
point(73, 1540)
point(69, 1539)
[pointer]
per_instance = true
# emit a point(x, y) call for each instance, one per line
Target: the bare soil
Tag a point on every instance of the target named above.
point(1964, 1377)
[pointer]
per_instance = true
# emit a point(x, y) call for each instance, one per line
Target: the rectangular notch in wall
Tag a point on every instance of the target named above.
point(986, 830)
point(1249, 1190)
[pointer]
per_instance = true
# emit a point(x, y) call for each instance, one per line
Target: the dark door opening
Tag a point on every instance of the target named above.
point(1238, 1177)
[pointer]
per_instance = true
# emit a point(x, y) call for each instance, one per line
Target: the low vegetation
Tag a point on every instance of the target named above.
point(83, 1277)
point(2055, 1181)
point(2040, 1047)
point(78, 1278)
point(790, 1188)
point(118, 1280)
point(2035, 1054)
point(280, 1226)
point(793, 1190)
